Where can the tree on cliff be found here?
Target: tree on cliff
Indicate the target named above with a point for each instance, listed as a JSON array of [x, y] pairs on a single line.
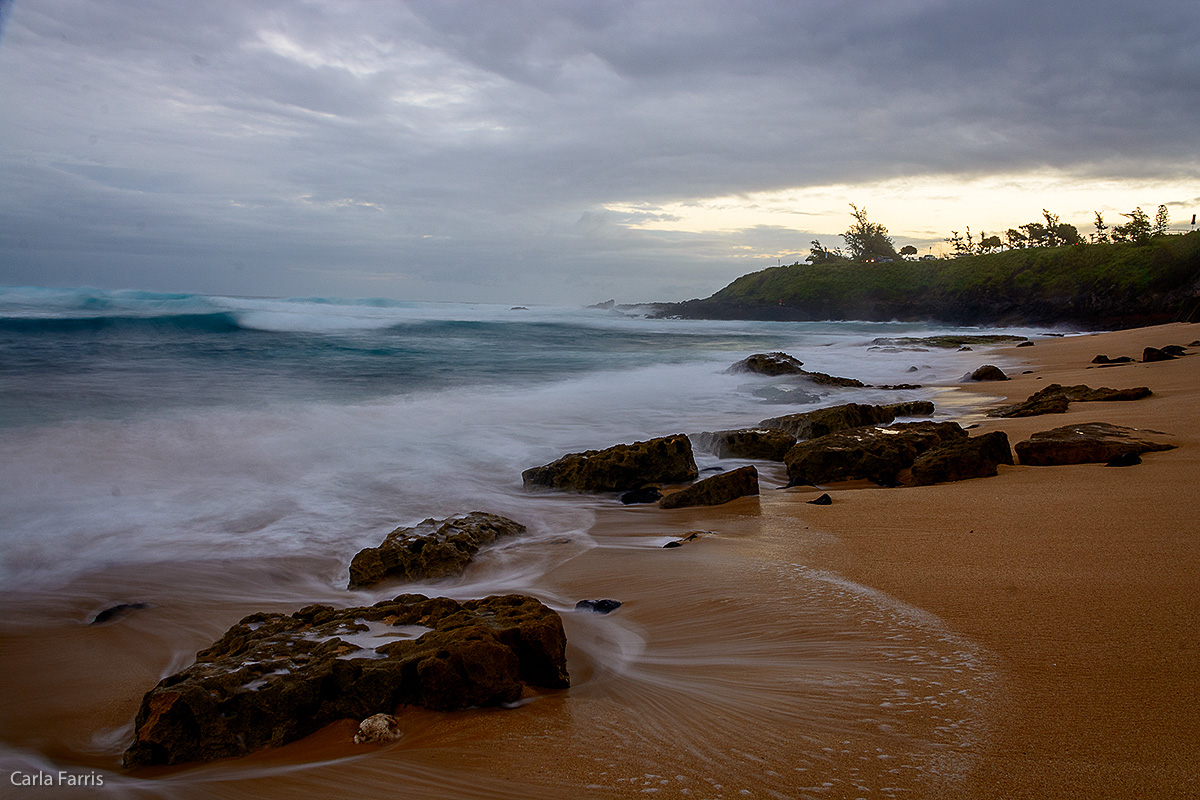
[[1137, 230], [865, 238], [1162, 221]]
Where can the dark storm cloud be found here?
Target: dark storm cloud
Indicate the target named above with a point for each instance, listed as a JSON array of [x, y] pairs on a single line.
[[429, 149]]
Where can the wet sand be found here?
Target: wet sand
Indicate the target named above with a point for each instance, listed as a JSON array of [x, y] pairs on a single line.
[[1028, 635]]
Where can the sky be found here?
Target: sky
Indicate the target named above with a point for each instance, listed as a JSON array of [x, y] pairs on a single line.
[[566, 151]]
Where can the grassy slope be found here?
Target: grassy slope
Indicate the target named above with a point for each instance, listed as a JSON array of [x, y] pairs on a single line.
[[1087, 283]]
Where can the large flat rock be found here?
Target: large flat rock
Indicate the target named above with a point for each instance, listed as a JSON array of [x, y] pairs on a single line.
[[274, 678], [1088, 442]]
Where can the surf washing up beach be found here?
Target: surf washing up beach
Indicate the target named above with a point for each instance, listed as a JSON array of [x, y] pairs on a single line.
[[193, 460]]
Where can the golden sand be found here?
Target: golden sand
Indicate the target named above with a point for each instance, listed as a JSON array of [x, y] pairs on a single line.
[[1072, 592], [1084, 580]]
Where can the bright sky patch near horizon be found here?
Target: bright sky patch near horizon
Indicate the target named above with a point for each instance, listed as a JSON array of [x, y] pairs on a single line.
[[545, 151]]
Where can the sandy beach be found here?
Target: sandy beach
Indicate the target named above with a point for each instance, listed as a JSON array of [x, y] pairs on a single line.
[[1082, 579], [1027, 635]]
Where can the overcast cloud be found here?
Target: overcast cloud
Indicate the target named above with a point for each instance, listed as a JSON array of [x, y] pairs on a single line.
[[467, 149]]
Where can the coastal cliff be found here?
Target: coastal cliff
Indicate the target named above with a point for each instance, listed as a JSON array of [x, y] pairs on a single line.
[[1107, 286]]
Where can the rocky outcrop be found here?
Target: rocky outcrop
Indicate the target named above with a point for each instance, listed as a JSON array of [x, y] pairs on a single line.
[[1086, 443], [876, 454], [714, 491], [988, 372], [1036, 405], [1167, 353], [767, 444], [1055, 398], [770, 364], [1103, 359], [432, 549], [618, 469], [272, 679], [811, 424], [963, 459], [776, 364]]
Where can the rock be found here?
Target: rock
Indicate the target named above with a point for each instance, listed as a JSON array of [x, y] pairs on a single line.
[[771, 364], [876, 454], [118, 612], [811, 424], [1087, 442], [910, 408], [432, 549], [975, 457], [681, 542], [1025, 344], [1154, 354], [823, 500], [1037, 404], [272, 679], [965, 349], [620, 468], [1175, 350], [988, 373], [598, 606], [823, 379], [900, 386], [378, 729], [1124, 460], [715, 490], [1106, 360], [1055, 398], [645, 494], [776, 364], [768, 444], [949, 340]]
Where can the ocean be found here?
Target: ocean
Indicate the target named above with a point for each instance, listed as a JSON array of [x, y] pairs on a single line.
[[245, 436]]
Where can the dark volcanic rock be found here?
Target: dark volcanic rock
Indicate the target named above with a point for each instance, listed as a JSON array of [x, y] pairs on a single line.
[[645, 494], [118, 612], [715, 490], [1035, 406], [1155, 354], [776, 364], [1106, 360], [1087, 442], [771, 364], [620, 468], [1055, 398], [976, 457], [768, 444], [823, 379], [823, 500], [988, 373], [811, 424], [598, 606], [1124, 460], [272, 679], [691, 537], [432, 549], [877, 454]]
